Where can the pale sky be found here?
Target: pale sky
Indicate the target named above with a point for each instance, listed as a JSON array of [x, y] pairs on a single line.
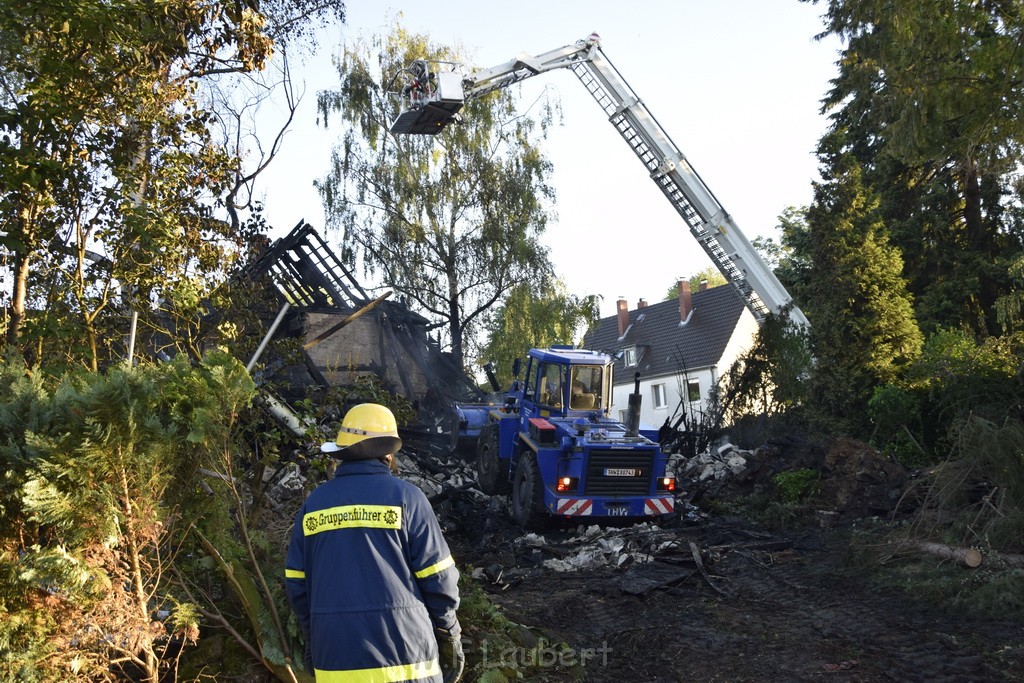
[[736, 84]]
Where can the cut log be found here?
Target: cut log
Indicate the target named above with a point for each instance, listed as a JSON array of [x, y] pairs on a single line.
[[968, 557]]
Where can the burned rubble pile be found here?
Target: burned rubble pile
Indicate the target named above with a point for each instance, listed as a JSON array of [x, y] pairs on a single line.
[[641, 557], [854, 479]]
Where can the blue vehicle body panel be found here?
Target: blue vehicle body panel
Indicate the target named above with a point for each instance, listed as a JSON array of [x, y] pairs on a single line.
[[472, 418], [612, 474]]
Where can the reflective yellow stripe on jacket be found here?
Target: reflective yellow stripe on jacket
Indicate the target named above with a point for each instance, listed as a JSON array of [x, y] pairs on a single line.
[[384, 674], [435, 568]]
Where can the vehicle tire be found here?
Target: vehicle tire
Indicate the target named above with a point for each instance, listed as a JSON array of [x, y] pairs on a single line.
[[491, 470], [528, 493]]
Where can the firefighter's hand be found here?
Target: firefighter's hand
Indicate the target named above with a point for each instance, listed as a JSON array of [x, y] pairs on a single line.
[[449, 649]]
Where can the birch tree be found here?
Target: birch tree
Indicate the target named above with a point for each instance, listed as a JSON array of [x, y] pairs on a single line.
[[452, 221]]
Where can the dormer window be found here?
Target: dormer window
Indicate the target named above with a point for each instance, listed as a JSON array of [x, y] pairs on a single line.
[[629, 356]]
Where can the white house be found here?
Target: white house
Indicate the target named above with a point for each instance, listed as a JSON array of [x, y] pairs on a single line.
[[679, 348]]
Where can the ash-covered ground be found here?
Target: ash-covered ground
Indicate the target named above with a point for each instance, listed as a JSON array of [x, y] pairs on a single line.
[[710, 597]]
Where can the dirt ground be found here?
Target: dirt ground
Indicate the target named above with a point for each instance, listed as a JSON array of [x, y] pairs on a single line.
[[771, 607]]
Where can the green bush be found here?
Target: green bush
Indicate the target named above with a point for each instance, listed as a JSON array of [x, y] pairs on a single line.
[[795, 486], [895, 412], [906, 450], [103, 497]]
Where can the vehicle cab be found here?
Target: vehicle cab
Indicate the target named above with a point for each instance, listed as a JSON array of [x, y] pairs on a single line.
[[562, 381]]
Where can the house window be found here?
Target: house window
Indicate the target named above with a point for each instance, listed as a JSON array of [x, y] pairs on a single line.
[[693, 390], [658, 395], [629, 357]]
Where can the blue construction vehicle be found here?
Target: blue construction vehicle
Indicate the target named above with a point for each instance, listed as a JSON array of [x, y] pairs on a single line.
[[554, 449]]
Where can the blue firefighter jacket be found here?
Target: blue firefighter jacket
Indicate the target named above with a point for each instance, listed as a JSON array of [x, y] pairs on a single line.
[[370, 577]]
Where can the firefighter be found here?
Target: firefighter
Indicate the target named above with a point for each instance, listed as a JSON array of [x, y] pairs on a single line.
[[369, 573]]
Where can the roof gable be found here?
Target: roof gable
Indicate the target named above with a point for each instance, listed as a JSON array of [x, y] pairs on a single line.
[[666, 346]]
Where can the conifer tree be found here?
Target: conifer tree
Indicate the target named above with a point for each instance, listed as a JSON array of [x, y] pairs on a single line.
[[862, 321]]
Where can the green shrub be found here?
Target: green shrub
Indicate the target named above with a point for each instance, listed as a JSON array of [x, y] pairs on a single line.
[[906, 450], [896, 414], [102, 499], [795, 486]]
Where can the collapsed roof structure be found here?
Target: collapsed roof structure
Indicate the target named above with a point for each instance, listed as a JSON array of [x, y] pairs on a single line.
[[345, 333]]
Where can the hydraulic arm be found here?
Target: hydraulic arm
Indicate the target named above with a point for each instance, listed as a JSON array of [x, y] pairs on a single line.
[[429, 108]]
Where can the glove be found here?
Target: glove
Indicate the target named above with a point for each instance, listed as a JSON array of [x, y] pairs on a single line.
[[449, 649]]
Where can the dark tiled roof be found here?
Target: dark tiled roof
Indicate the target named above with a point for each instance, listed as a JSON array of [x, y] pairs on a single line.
[[665, 348]]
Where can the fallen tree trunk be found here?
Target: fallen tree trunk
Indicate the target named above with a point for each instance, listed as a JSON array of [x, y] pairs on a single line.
[[1015, 561], [968, 557]]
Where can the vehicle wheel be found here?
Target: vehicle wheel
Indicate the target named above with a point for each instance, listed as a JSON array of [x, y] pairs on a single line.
[[491, 470], [528, 493]]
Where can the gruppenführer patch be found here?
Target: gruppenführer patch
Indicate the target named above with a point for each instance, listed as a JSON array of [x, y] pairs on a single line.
[[352, 516]]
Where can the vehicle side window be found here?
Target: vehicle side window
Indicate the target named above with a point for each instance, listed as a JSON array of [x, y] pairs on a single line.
[[550, 385], [529, 385]]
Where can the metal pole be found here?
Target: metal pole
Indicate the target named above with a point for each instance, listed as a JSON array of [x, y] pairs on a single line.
[[131, 338], [266, 338]]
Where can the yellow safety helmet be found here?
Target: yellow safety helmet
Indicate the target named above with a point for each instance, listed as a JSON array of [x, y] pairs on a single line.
[[369, 430]]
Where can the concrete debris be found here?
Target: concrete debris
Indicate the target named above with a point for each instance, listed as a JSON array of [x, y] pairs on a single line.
[[429, 486], [611, 552], [282, 487], [530, 541], [290, 478], [712, 466], [438, 475]]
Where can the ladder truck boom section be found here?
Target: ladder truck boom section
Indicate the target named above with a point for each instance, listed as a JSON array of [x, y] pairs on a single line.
[[432, 101]]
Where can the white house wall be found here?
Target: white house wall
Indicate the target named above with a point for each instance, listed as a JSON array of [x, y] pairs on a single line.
[[674, 384], [740, 342]]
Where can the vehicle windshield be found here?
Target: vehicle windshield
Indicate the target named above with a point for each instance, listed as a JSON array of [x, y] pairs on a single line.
[[587, 387]]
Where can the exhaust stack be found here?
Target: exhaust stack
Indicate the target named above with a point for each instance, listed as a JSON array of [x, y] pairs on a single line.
[[633, 416]]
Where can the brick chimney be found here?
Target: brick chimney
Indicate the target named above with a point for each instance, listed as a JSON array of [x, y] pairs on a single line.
[[703, 285], [685, 300], [622, 309], [642, 303]]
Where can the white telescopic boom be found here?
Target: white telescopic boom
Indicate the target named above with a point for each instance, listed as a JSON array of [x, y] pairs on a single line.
[[709, 223]]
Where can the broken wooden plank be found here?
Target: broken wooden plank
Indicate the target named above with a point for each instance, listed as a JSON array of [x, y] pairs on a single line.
[[769, 546], [448, 492], [695, 553], [345, 321]]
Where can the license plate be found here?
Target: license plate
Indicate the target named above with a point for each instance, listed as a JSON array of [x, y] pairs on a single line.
[[617, 510], [620, 472]]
